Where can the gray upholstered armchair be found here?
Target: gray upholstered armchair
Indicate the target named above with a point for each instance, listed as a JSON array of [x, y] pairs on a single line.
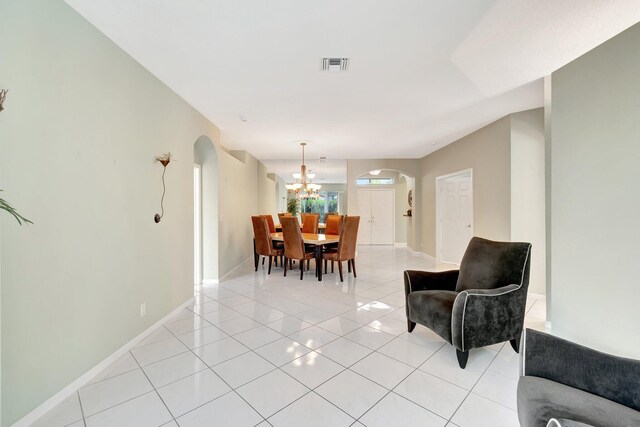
[[564, 384], [481, 304]]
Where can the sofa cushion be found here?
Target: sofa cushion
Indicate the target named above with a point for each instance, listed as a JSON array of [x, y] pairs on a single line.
[[433, 310], [540, 399]]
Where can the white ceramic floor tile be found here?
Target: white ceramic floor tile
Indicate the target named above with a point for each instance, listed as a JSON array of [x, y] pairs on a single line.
[[339, 325], [351, 392], [382, 369], [193, 391], [311, 411], [258, 337], [145, 410], [432, 393], [157, 351], [124, 363], [228, 410], [173, 368], [288, 325], [186, 325], [158, 335], [389, 325], [250, 307], [203, 336], [205, 307], [272, 392], [242, 369], [238, 325], [394, 410], [66, 412], [312, 369], [344, 352], [476, 411], [507, 363], [369, 337], [282, 351], [444, 364], [267, 316], [219, 351], [424, 337], [406, 352], [222, 315], [113, 391], [313, 337], [498, 388]]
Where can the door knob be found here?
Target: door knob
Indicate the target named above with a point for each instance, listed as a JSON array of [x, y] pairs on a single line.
[[469, 226]]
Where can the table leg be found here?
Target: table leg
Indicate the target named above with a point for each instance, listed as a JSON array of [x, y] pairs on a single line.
[[319, 262], [255, 256]]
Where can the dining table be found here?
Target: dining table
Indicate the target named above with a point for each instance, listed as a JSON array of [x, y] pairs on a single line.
[[321, 226], [319, 240]]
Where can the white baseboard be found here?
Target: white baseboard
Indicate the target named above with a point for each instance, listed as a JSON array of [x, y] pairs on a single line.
[[210, 281], [57, 398], [233, 270], [400, 245]]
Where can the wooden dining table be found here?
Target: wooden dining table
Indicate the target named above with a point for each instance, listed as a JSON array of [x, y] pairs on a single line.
[[320, 240], [321, 226]]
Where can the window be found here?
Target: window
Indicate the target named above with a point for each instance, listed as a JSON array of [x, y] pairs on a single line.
[[374, 181], [329, 201]]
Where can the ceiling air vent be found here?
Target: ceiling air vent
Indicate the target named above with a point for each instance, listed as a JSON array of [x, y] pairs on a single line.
[[335, 65]]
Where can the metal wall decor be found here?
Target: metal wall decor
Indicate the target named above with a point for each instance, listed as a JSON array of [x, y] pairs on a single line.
[[164, 160], [3, 96]]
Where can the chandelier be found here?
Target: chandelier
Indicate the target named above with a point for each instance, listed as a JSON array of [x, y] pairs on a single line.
[[303, 185]]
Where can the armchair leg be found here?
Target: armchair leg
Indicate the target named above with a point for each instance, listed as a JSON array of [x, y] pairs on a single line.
[[515, 344], [410, 325], [463, 356]]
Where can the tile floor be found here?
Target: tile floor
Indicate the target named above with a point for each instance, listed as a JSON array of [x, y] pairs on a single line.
[[261, 350]]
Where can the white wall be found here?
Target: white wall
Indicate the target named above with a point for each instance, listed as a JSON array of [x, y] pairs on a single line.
[[81, 126], [594, 200], [528, 190]]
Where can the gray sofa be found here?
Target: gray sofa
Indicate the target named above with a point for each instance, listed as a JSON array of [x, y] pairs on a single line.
[[564, 384]]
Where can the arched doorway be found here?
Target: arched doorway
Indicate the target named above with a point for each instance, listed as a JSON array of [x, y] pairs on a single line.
[[385, 207], [205, 159]]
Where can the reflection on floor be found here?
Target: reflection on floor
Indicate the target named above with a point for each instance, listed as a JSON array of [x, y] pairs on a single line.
[[269, 350]]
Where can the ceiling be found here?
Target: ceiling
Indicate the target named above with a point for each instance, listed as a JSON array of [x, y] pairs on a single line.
[[422, 73], [327, 172]]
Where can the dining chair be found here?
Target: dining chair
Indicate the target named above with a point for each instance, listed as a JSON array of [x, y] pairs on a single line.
[[302, 217], [333, 224], [281, 214], [264, 244], [293, 244], [310, 223], [272, 229], [346, 250]]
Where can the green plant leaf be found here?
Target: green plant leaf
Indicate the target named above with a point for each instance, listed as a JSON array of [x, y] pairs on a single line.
[[6, 206]]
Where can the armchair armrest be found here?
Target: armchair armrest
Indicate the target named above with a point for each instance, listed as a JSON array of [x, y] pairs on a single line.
[[612, 377], [415, 280], [482, 317]]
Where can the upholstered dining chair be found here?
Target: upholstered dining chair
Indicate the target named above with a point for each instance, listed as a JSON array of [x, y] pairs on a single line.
[[293, 244], [333, 223], [272, 229], [480, 304], [310, 223], [346, 250], [281, 214], [264, 244]]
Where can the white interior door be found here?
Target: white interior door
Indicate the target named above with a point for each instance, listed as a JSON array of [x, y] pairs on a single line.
[[382, 217], [377, 221], [364, 210], [456, 198]]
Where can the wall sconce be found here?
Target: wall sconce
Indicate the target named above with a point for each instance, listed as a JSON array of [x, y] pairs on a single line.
[[164, 161]]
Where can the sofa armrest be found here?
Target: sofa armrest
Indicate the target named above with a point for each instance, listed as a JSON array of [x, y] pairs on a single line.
[[415, 280], [612, 377], [482, 317]]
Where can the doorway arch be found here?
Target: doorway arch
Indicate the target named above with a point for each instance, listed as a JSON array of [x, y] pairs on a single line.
[[206, 231], [405, 229]]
